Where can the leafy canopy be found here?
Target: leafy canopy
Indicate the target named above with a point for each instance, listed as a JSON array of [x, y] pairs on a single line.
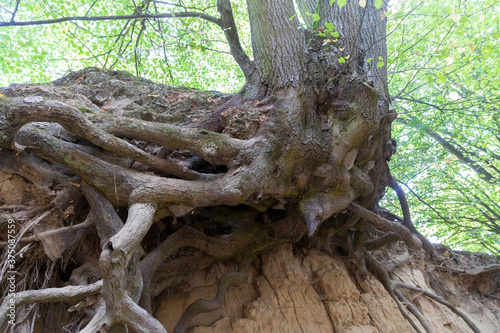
[[444, 78]]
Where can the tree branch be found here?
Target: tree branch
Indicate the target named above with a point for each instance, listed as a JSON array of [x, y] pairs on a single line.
[[483, 173], [15, 11], [229, 27], [114, 18]]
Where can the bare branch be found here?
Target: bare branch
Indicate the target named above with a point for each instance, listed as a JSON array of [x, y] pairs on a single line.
[[15, 11], [483, 173], [114, 18], [229, 27]]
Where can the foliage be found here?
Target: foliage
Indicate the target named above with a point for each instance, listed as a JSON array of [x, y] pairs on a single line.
[[444, 79], [181, 52]]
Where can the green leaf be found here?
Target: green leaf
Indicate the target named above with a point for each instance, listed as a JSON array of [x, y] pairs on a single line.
[[378, 4], [342, 60], [449, 22], [331, 2], [441, 78], [380, 64], [291, 18], [464, 19], [329, 26], [369, 59], [316, 17], [487, 49], [341, 3]]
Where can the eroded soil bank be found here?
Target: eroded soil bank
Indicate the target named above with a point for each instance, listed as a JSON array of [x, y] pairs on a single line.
[[314, 291]]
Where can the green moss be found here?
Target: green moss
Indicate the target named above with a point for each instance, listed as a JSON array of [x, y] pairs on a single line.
[[84, 110]]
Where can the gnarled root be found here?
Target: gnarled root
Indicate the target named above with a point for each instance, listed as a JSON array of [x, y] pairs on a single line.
[[439, 299], [393, 287], [203, 305]]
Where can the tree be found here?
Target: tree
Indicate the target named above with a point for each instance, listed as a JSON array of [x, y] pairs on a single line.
[[298, 154]]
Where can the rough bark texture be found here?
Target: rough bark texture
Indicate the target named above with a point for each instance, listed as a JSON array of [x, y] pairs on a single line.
[[137, 188]]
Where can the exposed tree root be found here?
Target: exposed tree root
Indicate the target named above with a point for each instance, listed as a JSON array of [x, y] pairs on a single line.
[[392, 182], [100, 322], [392, 288], [32, 109], [50, 233], [300, 172], [475, 271], [203, 305], [386, 225], [379, 271], [69, 294], [413, 309], [382, 241], [439, 299], [243, 243]]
